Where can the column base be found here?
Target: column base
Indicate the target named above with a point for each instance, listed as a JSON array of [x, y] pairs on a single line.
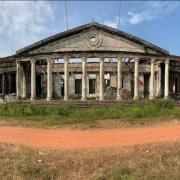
[[84, 99], [135, 98], [49, 98], [66, 98], [18, 98], [166, 97], [32, 98], [151, 97], [24, 97], [101, 99], [119, 98]]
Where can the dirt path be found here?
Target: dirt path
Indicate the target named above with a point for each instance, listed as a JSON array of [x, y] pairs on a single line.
[[75, 139]]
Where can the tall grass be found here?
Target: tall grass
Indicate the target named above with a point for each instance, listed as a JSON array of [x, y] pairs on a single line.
[[68, 114]]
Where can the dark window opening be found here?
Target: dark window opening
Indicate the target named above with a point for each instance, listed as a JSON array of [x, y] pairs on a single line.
[[92, 86], [146, 85], [1, 85], [8, 83], [62, 87], [122, 82], [13, 83], [176, 85], [38, 85], [78, 86]]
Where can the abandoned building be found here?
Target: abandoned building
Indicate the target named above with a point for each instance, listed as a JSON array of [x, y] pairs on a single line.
[[90, 61]]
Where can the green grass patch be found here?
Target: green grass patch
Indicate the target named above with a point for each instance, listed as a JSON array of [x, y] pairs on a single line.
[[68, 114]]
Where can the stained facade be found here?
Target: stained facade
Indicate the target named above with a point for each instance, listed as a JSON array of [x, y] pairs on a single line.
[[91, 61]]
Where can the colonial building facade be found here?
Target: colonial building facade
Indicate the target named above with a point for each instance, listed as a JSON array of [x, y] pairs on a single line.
[[91, 61]]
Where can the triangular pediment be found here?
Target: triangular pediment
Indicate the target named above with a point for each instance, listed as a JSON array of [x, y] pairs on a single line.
[[91, 38]]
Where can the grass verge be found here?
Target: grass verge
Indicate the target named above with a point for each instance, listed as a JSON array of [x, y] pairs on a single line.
[[68, 114]]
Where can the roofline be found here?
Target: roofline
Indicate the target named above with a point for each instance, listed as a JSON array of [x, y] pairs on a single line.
[[174, 58], [85, 26], [8, 58]]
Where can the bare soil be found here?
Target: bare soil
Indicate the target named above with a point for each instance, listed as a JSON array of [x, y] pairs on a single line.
[[89, 139]]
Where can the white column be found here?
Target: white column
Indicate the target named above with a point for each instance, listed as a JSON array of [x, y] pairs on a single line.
[[33, 80], [158, 91], [49, 79], [166, 82], [23, 83], [17, 80], [66, 78], [101, 88], [136, 77], [151, 88], [119, 79], [84, 80]]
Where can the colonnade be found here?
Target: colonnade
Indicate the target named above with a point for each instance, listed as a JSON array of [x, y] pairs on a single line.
[[101, 73]]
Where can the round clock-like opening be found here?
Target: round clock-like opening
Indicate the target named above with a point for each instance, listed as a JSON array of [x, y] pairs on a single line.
[[93, 39]]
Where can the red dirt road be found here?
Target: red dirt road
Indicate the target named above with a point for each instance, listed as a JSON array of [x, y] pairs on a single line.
[[88, 139]]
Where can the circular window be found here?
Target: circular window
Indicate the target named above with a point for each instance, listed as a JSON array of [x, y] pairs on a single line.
[[93, 39]]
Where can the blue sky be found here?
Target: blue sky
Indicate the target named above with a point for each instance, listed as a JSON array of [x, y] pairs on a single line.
[[30, 21]]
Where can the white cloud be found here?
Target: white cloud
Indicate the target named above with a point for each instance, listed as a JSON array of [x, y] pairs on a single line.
[[152, 10], [144, 11], [26, 19], [114, 22]]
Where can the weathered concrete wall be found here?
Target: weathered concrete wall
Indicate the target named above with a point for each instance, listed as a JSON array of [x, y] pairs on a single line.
[[103, 40], [113, 81], [57, 78], [141, 86], [127, 82], [94, 68]]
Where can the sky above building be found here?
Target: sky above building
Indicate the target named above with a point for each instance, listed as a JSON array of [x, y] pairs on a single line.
[[25, 22]]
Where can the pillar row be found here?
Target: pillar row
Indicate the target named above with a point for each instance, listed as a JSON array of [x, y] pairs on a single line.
[[151, 88], [49, 79], [24, 93], [166, 79], [17, 80], [101, 88], [84, 80], [33, 80], [66, 79], [119, 79], [136, 78]]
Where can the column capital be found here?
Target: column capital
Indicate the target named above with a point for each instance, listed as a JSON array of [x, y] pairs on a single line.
[[49, 60], [66, 58], [101, 58], [166, 61], [84, 55], [84, 58], [153, 60], [17, 62], [120, 58], [33, 61], [136, 59]]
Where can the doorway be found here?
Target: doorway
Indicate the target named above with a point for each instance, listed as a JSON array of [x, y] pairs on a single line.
[[146, 85], [38, 85]]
